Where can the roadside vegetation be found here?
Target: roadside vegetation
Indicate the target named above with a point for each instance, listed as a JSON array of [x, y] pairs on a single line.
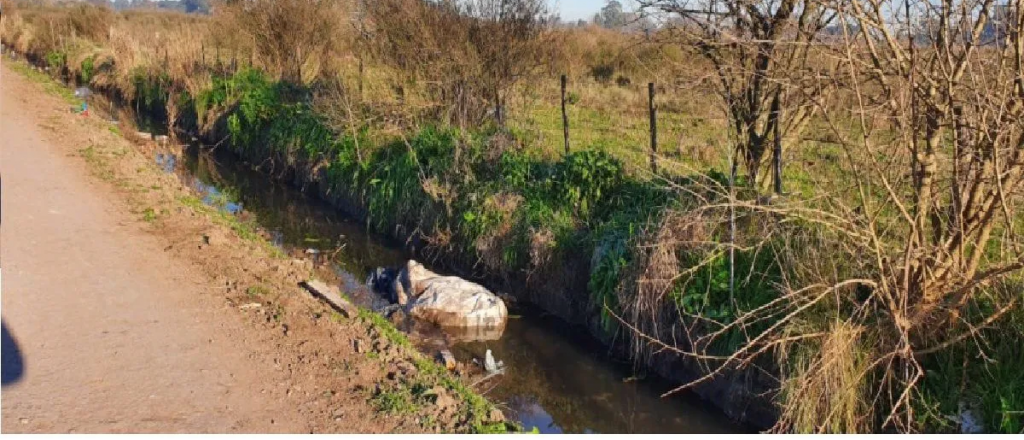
[[833, 212]]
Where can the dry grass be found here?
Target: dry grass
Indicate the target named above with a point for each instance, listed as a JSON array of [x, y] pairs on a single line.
[[828, 378]]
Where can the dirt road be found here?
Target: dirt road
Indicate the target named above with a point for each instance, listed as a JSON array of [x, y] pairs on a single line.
[[101, 329]]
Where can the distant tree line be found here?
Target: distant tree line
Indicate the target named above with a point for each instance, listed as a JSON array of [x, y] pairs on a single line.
[[189, 6]]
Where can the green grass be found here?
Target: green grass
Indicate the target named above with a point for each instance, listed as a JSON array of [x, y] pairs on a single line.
[[395, 401], [386, 329], [96, 159], [50, 85], [149, 215], [257, 291], [624, 133], [988, 377], [407, 398]]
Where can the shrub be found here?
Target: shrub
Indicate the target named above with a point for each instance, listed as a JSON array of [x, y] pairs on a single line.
[[88, 68], [583, 179], [56, 59], [602, 72]]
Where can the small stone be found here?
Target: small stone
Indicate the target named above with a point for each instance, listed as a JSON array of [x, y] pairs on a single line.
[[496, 415], [397, 317], [23, 421], [407, 369], [357, 344], [444, 401], [214, 238], [332, 296]]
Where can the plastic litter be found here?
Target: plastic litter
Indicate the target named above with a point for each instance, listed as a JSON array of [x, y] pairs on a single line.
[[490, 365]]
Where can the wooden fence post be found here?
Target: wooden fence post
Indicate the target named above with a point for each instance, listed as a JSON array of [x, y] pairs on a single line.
[[565, 117], [361, 80], [654, 128]]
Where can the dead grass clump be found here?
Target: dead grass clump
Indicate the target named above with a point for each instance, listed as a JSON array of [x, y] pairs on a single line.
[[492, 244], [678, 232], [497, 145], [657, 270], [91, 22], [291, 39], [825, 388], [542, 247]]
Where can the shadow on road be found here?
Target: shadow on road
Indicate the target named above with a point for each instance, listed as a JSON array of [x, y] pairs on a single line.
[[12, 365]]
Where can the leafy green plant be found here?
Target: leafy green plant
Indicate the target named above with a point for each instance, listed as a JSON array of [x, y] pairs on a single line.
[[56, 59], [572, 98], [394, 401], [583, 178], [613, 257], [991, 381], [87, 69]]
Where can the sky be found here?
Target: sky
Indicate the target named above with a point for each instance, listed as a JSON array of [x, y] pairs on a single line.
[[581, 9]]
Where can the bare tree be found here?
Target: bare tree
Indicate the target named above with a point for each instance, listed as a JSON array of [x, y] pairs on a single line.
[[760, 52], [469, 53], [507, 37], [953, 106], [914, 249]]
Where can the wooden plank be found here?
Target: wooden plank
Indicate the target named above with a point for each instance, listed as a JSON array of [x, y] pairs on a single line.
[[333, 297]]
